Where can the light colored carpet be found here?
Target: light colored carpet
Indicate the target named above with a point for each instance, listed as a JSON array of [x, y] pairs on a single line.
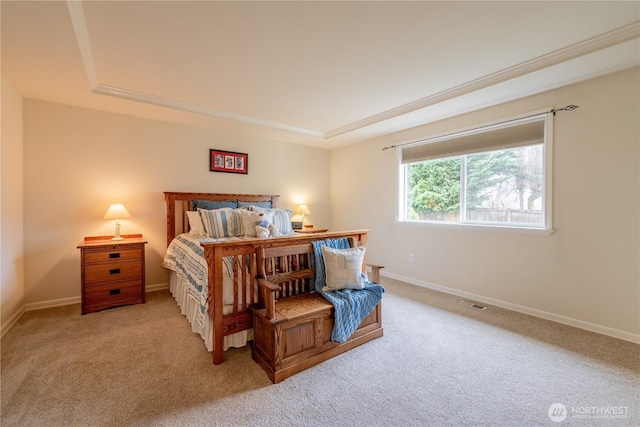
[[440, 363]]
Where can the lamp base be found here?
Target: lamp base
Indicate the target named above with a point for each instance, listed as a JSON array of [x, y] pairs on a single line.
[[117, 233]]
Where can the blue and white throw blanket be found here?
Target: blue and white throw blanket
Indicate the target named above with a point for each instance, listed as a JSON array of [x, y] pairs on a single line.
[[351, 306]]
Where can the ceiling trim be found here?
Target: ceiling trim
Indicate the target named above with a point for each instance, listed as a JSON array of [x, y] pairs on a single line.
[[76, 13], [193, 108], [602, 41], [81, 31], [576, 50]]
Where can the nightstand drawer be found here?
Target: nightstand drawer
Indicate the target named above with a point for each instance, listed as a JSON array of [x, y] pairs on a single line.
[[110, 271], [110, 294], [114, 255]]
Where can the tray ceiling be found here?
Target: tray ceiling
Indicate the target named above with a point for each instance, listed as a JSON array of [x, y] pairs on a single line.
[[324, 74]]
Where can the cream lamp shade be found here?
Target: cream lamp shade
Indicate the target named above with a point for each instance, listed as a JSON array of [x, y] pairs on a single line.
[[304, 210], [117, 211]]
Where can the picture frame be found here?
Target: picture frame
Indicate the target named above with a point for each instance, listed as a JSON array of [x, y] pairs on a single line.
[[228, 161]]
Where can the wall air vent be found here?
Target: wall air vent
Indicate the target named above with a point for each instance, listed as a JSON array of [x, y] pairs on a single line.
[[473, 305]]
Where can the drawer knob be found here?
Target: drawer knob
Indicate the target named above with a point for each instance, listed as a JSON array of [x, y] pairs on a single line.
[[114, 291], [115, 255], [114, 271]]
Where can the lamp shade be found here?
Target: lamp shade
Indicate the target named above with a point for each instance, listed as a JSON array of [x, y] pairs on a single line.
[[304, 210], [117, 211]]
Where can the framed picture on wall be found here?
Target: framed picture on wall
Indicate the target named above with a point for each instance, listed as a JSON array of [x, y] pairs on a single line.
[[228, 161]]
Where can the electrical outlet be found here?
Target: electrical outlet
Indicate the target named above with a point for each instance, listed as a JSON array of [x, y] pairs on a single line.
[[411, 258]]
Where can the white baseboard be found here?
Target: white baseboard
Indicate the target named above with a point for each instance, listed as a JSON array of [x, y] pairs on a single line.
[[61, 302], [12, 320], [52, 303], [156, 287], [604, 330]]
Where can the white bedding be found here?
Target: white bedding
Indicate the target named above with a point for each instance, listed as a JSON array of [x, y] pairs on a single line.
[[190, 308], [189, 286]]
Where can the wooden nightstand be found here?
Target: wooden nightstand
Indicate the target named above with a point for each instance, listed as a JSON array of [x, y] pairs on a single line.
[[112, 272], [311, 230]]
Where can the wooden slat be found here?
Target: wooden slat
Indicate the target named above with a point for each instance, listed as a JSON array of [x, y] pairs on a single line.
[[288, 276], [236, 279]]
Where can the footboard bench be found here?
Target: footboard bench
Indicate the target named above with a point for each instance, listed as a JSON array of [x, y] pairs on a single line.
[[293, 323]]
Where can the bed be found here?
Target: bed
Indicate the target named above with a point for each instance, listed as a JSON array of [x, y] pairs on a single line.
[[213, 279]]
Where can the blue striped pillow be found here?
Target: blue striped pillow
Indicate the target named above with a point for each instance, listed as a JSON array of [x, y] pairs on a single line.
[[222, 222]]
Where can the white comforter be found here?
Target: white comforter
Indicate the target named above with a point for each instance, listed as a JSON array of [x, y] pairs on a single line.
[[189, 286]]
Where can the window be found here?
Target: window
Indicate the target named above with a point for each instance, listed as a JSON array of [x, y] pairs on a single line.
[[496, 175]]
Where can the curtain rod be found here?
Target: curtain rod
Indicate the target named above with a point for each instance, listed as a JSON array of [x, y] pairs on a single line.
[[554, 111]]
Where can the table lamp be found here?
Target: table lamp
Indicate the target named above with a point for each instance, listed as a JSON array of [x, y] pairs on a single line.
[[304, 210], [117, 211]]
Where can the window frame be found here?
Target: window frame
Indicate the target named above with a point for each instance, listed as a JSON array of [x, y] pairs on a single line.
[[547, 175]]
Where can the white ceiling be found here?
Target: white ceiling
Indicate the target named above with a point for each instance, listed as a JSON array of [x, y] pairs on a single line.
[[324, 74]]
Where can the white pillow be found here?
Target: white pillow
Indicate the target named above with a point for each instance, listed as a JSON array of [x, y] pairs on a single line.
[[222, 222], [343, 268], [196, 227]]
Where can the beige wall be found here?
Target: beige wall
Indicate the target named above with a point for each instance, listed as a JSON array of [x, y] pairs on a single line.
[[78, 161], [586, 273], [11, 213]]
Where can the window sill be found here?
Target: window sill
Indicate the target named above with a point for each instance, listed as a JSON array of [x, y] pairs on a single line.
[[480, 227]]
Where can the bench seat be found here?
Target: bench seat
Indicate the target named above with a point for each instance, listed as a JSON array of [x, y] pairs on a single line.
[[293, 333]]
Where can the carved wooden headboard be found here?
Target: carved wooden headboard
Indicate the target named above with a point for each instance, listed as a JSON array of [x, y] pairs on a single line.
[[181, 203]]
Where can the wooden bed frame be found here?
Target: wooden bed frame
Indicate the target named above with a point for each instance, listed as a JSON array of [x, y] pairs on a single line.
[[244, 255]]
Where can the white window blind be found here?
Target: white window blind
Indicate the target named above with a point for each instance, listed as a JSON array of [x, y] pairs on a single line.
[[517, 133]]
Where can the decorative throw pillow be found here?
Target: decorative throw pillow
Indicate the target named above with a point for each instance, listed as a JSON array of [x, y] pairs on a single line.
[[222, 222], [196, 227], [343, 268], [282, 220]]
